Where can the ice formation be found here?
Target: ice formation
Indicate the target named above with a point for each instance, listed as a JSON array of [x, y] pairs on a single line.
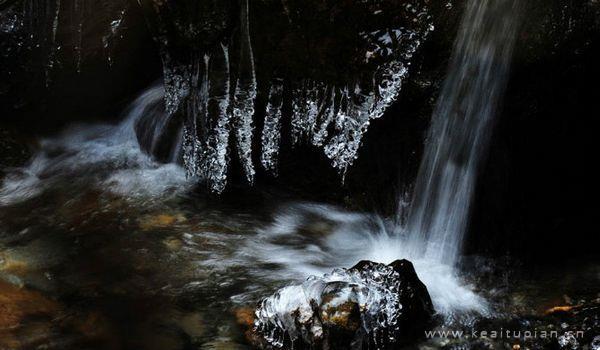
[[271, 134], [335, 117], [300, 312], [329, 115], [211, 84]]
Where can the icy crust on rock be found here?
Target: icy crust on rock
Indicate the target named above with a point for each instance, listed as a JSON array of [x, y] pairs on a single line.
[[299, 312]]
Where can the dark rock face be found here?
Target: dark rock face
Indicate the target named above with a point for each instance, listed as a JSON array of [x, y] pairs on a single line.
[[71, 60], [14, 151], [534, 187], [368, 306]]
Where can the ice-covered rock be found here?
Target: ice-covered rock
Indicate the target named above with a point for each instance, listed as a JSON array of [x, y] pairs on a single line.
[[370, 305], [595, 345]]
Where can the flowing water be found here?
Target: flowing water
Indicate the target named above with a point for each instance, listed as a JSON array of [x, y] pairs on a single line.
[[461, 127], [439, 212], [106, 163]]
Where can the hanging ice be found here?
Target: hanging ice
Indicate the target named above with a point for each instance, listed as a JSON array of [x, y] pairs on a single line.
[[215, 162], [202, 93], [271, 135], [245, 94], [305, 109], [336, 118], [213, 98]]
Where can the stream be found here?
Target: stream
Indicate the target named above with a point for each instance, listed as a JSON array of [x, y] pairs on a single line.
[[101, 247]]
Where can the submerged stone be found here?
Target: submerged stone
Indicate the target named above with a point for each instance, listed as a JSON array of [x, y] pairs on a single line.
[[370, 305], [18, 303]]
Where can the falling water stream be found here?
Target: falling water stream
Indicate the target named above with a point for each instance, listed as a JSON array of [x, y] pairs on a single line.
[[461, 129], [439, 212]]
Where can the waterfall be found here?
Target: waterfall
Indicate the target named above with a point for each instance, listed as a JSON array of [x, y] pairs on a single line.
[[433, 230], [460, 129]]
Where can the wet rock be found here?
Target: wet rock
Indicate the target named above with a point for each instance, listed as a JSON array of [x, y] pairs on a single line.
[[14, 150], [192, 324], [173, 244], [222, 344], [16, 304], [558, 310], [161, 221], [11, 264], [595, 345], [94, 325], [369, 305]]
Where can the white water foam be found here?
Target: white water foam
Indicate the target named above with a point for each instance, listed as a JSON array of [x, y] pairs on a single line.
[[314, 239], [105, 156]]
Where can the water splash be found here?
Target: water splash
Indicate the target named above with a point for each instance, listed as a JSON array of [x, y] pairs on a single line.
[[154, 127], [310, 239], [105, 157]]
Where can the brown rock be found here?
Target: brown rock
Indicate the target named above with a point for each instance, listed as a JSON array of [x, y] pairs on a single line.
[[17, 304], [161, 221]]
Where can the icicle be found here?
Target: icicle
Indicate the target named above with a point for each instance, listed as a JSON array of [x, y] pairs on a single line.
[[55, 21], [351, 123], [305, 115], [299, 112], [271, 135], [219, 117], [306, 106], [325, 117], [361, 106], [245, 94], [196, 104]]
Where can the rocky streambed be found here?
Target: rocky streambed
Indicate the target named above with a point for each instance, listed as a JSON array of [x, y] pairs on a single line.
[[86, 267]]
